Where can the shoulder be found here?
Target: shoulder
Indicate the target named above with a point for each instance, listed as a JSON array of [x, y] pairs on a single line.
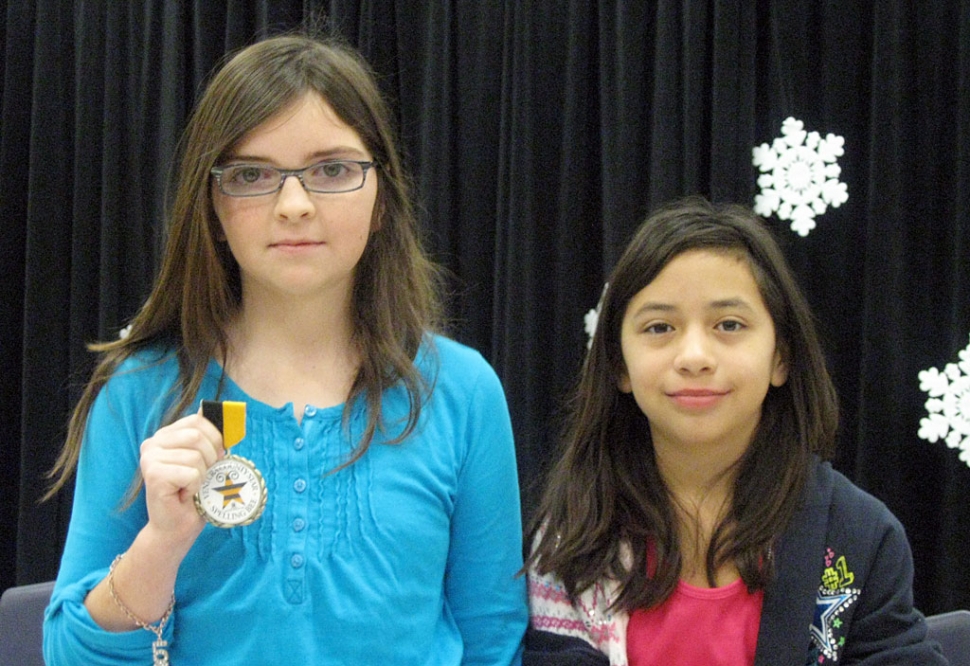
[[860, 530], [856, 510], [451, 365], [464, 395], [127, 409], [146, 363], [141, 382], [451, 354]]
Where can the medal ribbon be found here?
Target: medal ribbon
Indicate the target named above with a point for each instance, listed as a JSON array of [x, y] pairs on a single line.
[[229, 417]]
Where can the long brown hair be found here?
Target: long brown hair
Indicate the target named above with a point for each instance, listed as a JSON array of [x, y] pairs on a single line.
[[396, 298], [606, 491]]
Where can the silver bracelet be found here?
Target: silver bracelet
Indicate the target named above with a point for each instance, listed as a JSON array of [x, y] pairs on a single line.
[[159, 645]]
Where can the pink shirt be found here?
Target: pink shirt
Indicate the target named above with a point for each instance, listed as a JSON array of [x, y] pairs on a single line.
[[697, 627]]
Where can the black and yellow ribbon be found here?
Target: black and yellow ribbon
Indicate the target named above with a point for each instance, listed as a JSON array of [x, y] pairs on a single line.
[[229, 417]]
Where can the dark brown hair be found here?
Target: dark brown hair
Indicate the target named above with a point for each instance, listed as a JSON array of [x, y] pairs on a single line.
[[396, 298], [604, 491]]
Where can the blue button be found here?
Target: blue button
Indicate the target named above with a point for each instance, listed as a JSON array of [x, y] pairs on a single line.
[[299, 485], [296, 561], [298, 443], [298, 524], [310, 410]]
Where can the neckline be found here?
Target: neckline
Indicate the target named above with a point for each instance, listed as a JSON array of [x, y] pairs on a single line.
[[721, 592], [231, 390]]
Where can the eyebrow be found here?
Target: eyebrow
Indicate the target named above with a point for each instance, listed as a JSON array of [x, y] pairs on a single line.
[[730, 303], [720, 304], [337, 152]]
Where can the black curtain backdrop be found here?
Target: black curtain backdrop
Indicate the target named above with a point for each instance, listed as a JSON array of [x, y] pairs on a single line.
[[540, 133]]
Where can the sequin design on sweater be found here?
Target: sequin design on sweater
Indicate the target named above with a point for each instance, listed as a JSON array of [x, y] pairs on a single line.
[[835, 596]]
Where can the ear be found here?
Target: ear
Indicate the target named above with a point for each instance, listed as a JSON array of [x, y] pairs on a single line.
[[376, 218], [779, 371], [623, 382], [216, 218], [377, 215]]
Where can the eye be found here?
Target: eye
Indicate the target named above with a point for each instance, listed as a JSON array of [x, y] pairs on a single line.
[[731, 326], [248, 174], [330, 170], [658, 328]]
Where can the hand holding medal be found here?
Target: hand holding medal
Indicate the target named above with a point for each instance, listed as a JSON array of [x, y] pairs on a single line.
[[233, 491]]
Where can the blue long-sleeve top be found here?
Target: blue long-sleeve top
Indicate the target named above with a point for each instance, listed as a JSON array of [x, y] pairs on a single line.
[[408, 556]]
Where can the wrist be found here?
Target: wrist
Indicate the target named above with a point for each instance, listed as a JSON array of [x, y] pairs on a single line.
[[159, 645], [169, 544]]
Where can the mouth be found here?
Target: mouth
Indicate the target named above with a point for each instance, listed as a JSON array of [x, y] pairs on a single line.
[[298, 244], [696, 398], [297, 241]]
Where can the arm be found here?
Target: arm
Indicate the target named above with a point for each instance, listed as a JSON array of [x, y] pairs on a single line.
[[486, 595], [552, 612], [886, 628], [83, 622], [543, 648], [572, 631], [173, 462]]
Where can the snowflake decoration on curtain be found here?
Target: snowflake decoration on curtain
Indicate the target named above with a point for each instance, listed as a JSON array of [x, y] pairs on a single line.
[[948, 405], [800, 176], [591, 318]]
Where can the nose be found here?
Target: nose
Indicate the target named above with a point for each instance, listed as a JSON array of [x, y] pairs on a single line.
[[695, 355], [293, 202]]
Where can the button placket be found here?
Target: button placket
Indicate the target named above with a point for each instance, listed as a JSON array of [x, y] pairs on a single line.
[[298, 503]]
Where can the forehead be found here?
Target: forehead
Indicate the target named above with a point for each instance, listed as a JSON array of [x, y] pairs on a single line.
[[699, 263], [307, 126], [701, 276]]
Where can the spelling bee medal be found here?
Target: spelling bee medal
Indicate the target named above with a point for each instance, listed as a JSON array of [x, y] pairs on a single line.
[[233, 492]]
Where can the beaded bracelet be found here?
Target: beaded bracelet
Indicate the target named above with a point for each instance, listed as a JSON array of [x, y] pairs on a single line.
[[159, 645]]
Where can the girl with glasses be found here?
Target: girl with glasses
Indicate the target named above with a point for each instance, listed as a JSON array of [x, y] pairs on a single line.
[[368, 511]]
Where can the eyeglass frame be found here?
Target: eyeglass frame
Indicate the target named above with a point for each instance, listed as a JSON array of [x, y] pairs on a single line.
[[365, 166]]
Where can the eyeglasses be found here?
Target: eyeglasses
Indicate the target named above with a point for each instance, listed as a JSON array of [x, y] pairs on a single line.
[[328, 177]]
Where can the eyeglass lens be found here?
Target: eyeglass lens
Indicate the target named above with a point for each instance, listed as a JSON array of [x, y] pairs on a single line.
[[326, 177]]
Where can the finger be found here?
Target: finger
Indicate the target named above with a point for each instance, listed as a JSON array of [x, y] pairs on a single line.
[[164, 479], [211, 433], [182, 457], [192, 432]]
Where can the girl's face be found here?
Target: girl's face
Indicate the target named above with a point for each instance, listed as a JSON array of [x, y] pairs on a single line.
[[699, 351], [294, 242]]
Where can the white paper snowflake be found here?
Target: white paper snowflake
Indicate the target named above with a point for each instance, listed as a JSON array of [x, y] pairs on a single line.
[[591, 318], [948, 405], [800, 176]]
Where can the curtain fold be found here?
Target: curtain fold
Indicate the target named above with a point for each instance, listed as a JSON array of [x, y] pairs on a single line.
[[539, 134], [47, 317], [15, 111], [915, 277]]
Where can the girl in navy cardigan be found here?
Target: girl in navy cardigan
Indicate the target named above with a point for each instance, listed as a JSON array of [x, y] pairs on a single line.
[[689, 520]]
